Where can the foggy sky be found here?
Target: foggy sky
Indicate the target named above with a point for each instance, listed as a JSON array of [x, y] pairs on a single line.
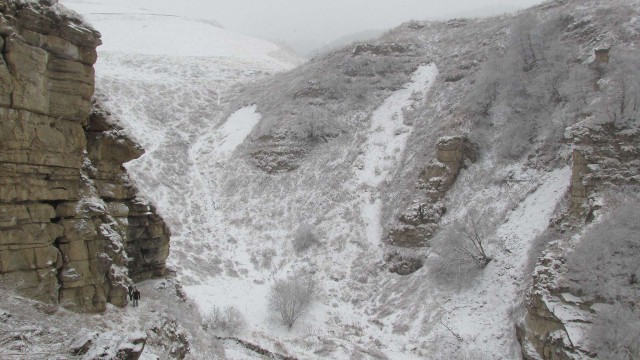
[[306, 24]]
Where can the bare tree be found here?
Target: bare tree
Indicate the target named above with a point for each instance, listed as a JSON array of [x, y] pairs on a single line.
[[472, 240], [462, 247], [604, 267], [230, 320], [482, 97], [527, 39], [606, 261], [290, 297], [624, 86], [615, 333]]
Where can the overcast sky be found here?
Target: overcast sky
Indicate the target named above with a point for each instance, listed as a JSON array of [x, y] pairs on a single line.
[[306, 24]]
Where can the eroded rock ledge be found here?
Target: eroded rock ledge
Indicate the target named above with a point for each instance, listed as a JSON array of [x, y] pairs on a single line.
[[72, 230], [606, 158], [419, 222]]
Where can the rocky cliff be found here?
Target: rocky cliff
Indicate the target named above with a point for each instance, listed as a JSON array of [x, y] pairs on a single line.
[[419, 222], [72, 230], [560, 315]]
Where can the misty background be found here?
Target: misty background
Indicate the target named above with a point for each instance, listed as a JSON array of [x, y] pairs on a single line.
[[308, 26]]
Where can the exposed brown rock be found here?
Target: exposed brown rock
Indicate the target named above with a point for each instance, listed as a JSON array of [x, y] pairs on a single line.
[[606, 154], [420, 221], [66, 203]]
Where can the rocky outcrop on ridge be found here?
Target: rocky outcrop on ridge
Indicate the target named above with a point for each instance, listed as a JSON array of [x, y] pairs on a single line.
[[605, 158], [72, 230], [420, 221], [603, 155]]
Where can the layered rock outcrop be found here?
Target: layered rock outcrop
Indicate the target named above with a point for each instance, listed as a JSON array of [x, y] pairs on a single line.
[[603, 155], [419, 222], [543, 333], [605, 158], [71, 228]]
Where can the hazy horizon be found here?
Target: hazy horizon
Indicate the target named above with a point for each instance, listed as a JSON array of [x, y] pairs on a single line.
[[308, 25]]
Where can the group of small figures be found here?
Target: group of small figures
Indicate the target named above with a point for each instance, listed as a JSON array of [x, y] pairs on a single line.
[[134, 295]]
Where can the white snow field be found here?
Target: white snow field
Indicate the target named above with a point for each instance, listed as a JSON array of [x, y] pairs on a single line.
[[233, 132], [140, 27], [232, 224]]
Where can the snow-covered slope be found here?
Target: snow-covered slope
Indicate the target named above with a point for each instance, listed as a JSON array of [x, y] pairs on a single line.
[[138, 29], [167, 78]]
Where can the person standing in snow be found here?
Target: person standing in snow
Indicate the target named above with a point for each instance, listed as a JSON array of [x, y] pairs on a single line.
[[130, 291], [136, 297]]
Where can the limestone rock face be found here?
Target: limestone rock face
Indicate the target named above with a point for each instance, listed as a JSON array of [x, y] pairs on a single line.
[[420, 221], [602, 154], [541, 331], [71, 228]]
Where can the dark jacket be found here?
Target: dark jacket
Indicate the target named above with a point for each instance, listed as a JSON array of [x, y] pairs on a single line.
[[136, 295]]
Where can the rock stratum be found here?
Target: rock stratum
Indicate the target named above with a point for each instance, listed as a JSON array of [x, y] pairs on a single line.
[[72, 229]]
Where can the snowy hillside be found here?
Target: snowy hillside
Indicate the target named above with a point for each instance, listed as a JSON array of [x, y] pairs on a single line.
[[338, 145], [134, 29], [169, 82]]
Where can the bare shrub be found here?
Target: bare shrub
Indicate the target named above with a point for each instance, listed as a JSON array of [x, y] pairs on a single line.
[[290, 297], [462, 247], [304, 238], [606, 261], [263, 258], [516, 139], [518, 94], [229, 321], [528, 41], [615, 334], [482, 97], [605, 266], [622, 89]]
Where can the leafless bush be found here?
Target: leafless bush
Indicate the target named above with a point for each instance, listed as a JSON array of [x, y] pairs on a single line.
[[622, 90], [482, 97], [304, 238], [263, 258], [290, 297], [606, 262], [518, 93], [462, 247], [615, 334], [403, 262], [605, 265], [229, 321], [516, 139]]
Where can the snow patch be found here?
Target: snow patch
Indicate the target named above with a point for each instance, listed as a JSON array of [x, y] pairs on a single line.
[[571, 298], [388, 135], [234, 131], [171, 35], [385, 146]]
